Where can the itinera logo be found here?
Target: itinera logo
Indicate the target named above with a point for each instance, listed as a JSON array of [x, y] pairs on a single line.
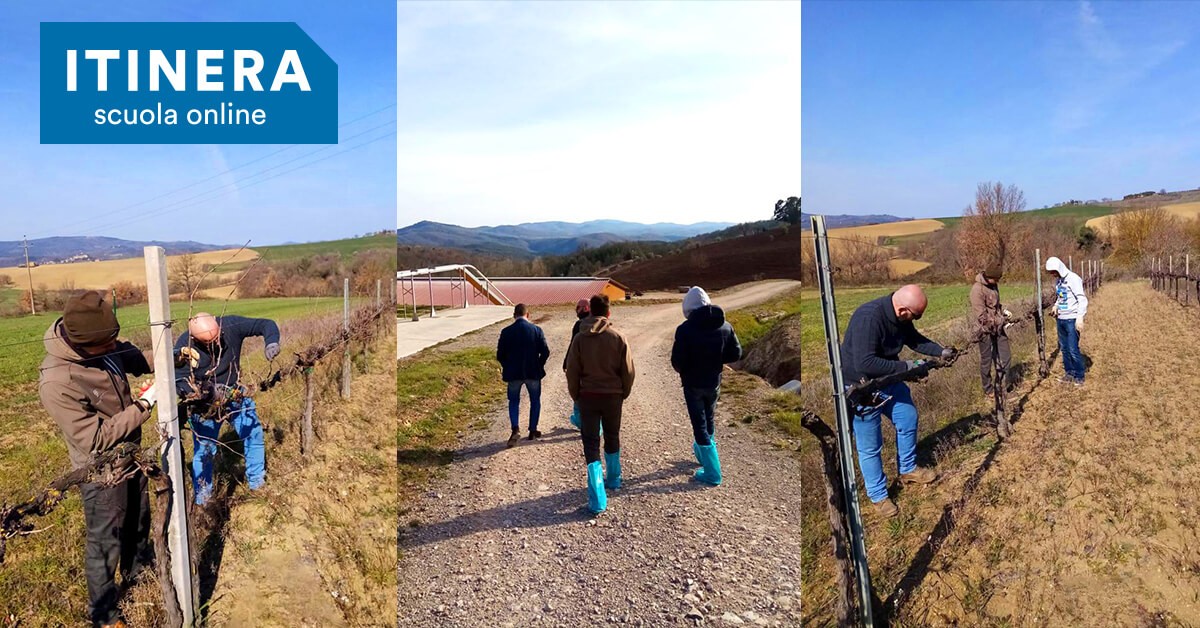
[[185, 83]]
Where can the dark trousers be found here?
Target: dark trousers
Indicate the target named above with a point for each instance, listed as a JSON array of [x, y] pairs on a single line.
[[118, 530], [595, 410], [985, 362], [701, 406]]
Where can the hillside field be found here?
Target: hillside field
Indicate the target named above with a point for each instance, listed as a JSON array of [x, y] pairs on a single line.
[[1183, 211], [101, 275]]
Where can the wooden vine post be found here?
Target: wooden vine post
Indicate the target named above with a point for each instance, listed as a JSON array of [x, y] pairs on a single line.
[[346, 325], [1039, 322]]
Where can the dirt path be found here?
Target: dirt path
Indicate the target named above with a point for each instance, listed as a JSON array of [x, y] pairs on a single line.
[[505, 540], [1088, 515]]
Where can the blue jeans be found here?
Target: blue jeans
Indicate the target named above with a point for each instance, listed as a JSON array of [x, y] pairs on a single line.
[[534, 386], [701, 406], [868, 437], [243, 416], [1068, 346]]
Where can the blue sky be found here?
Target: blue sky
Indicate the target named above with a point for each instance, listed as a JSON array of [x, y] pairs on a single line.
[[527, 111], [909, 105], [60, 190]]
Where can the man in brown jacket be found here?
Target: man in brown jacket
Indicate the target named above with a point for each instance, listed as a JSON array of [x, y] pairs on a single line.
[[599, 379], [989, 317], [84, 387]]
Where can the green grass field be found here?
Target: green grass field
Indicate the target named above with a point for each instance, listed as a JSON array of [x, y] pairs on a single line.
[[345, 248], [752, 323], [946, 303], [1081, 214], [42, 581]]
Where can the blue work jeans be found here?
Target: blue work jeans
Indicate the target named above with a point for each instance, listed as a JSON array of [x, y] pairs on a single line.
[[868, 437], [534, 386], [243, 416], [701, 406], [1068, 346]]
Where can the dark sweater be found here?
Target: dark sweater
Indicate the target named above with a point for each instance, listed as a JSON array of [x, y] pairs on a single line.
[[704, 343], [574, 332], [522, 351], [220, 362], [874, 339]]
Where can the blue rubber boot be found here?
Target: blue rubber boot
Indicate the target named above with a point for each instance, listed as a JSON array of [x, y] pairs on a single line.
[[597, 500], [711, 473], [574, 419], [613, 477], [696, 452]]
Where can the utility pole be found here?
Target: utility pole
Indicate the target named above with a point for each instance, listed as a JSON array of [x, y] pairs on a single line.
[[29, 270], [346, 323], [171, 452]]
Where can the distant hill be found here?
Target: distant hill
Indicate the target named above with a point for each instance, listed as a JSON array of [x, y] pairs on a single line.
[[848, 220], [773, 254], [535, 239], [60, 248]]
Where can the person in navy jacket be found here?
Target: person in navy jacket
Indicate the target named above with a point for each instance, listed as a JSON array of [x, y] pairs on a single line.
[[523, 352]]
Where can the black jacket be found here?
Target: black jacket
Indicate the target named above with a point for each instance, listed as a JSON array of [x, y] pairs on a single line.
[[874, 339], [522, 351], [220, 363], [704, 343], [574, 332]]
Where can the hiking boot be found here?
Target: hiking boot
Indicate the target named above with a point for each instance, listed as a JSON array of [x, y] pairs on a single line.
[[534, 434], [1066, 379], [1078, 383], [516, 436], [919, 475], [887, 508]]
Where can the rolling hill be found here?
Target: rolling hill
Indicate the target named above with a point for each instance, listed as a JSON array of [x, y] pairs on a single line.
[[836, 221], [535, 239], [771, 254], [43, 250]]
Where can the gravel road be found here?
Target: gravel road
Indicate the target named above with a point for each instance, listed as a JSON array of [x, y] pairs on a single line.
[[505, 538]]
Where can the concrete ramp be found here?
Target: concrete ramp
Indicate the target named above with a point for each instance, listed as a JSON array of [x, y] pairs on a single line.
[[413, 337]]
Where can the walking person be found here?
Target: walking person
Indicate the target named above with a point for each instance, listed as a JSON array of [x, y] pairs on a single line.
[[989, 318], [600, 376], [877, 332], [522, 352], [211, 393], [1069, 310], [704, 344], [84, 387], [581, 312]]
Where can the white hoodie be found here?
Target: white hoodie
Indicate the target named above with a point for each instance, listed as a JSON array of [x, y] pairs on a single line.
[[695, 299], [1072, 302]]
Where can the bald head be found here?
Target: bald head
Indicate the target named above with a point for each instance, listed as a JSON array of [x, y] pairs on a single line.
[[909, 302], [204, 327]]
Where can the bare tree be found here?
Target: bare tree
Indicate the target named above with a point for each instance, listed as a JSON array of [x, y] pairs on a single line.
[[987, 231], [186, 272]]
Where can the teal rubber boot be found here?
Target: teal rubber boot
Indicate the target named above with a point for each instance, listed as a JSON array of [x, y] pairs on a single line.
[[613, 477], [696, 452], [575, 418], [597, 500], [711, 473]]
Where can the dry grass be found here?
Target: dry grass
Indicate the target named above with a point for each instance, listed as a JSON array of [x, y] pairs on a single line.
[[1183, 211], [906, 267], [101, 275], [1087, 515]]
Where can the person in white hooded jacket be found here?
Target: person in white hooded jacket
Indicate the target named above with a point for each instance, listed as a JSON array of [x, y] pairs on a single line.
[[1069, 310]]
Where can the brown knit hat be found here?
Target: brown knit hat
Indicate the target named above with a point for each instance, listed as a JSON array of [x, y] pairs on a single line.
[[89, 320], [994, 271]]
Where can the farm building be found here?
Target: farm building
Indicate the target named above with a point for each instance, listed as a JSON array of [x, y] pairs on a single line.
[[452, 291]]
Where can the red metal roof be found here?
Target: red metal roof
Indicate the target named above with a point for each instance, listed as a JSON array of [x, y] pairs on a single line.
[[527, 290]]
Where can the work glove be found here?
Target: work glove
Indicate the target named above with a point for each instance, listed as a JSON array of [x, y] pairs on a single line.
[[948, 353], [912, 364], [272, 351], [146, 395], [189, 355], [1079, 324], [1007, 314], [1007, 325]]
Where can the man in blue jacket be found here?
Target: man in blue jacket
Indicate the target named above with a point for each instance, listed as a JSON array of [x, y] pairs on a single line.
[[877, 332], [704, 343], [522, 352], [210, 392]]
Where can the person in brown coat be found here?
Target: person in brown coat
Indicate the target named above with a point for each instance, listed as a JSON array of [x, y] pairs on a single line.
[[84, 387], [988, 317], [599, 378]]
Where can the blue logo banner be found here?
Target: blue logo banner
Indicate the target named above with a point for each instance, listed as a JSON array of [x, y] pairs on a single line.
[[185, 83]]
